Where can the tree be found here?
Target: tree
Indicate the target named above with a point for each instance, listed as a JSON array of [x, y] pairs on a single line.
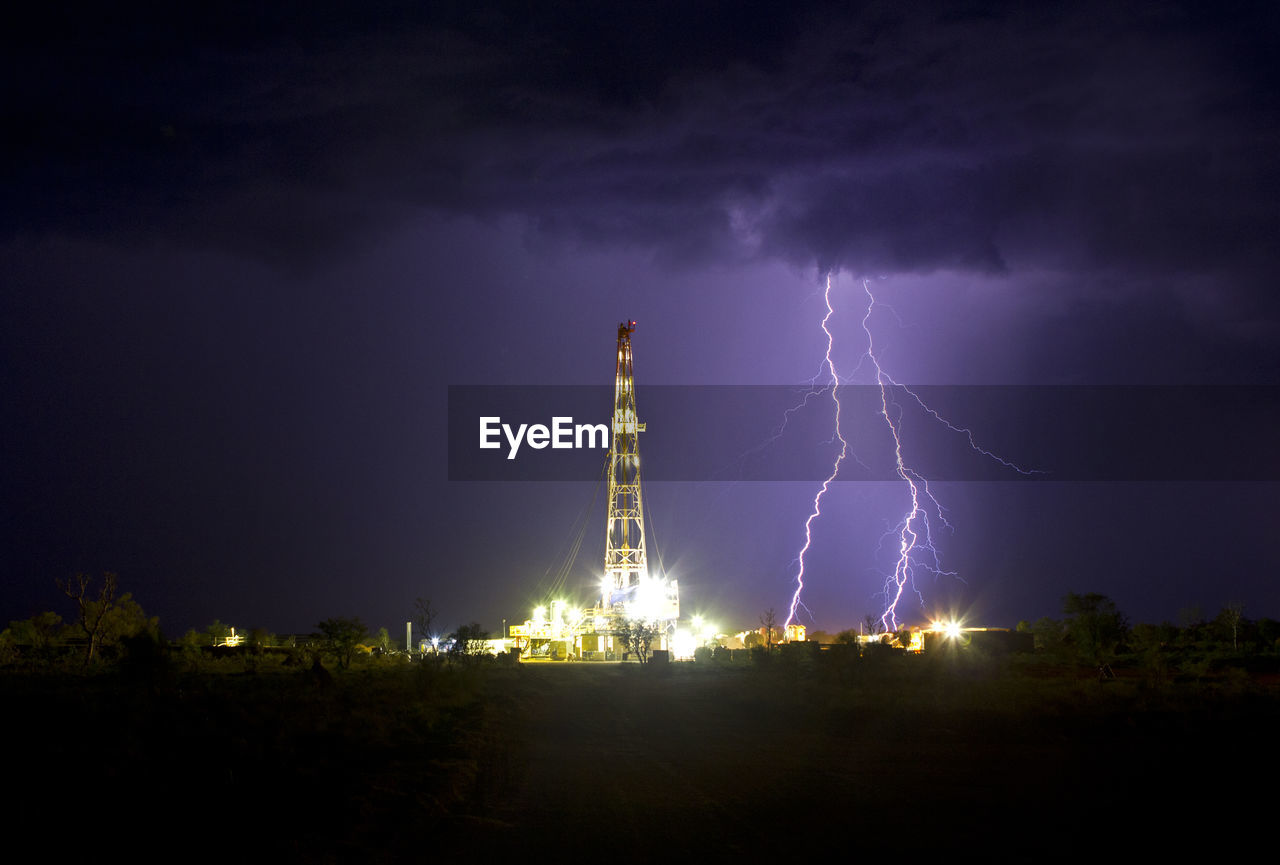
[[637, 636], [1094, 624], [768, 623], [1191, 620], [469, 641], [1049, 635], [382, 640], [8, 648], [424, 615], [260, 637], [103, 620], [40, 632], [847, 637], [1229, 620], [217, 633], [341, 637], [1268, 631]]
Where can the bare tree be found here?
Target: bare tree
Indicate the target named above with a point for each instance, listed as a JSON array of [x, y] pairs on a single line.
[[1233, 614], [423, 616], [91, 612], [769, 622]]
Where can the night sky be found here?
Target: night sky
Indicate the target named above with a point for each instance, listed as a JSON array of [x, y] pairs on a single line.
[[244, 257]]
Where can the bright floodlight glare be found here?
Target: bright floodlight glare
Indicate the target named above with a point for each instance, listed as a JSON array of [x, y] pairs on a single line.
[[953, 629], [649, 597], [683, 644]]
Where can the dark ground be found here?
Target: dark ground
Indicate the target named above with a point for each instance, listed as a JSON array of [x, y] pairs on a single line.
[[804, 758]]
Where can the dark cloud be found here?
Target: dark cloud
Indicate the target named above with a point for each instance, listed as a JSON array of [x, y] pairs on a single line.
[[884, 139], [241, 245]]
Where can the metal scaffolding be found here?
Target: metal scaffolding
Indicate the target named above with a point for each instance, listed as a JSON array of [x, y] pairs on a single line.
[[625, 562], [627, 587]]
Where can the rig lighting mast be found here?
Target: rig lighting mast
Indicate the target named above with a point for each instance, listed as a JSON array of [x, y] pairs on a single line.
[[627, 583]]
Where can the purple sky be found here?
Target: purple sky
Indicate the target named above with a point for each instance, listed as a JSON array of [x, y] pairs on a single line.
[[244, 257]]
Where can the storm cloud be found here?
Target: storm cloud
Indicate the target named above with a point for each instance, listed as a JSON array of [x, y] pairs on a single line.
[[885, 139], [247, 248]]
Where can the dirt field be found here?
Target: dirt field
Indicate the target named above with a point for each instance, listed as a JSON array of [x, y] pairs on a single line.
[[636, 764]]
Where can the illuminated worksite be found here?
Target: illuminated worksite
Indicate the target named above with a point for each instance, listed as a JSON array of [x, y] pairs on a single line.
[[950, 633], [637, 611], [630, 596]]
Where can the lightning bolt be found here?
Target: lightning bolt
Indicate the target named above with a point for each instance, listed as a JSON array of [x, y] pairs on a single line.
[[835, 467], [914, 531], [913, 535]]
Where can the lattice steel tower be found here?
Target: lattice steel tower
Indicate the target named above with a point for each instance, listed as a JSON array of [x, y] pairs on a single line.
[[628, 588], [625, 564]]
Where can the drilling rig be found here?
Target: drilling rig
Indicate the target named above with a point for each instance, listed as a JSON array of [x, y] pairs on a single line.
[[628, 589], [628, 592]]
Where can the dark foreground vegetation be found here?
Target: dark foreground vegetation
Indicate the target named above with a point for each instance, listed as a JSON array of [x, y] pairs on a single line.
[[1106, 741], [792, 754]]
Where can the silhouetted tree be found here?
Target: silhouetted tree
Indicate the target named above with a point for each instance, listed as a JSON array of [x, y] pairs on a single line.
[[103, 619], [1191, 621], [424, 615], [217, 633], [90, 611], [469, 641], [1268, 632], [1229, 621], [341, 637], [768, 623], [40, 632], [637, 636], [1094, 624], [1049, 635], [260, 637]]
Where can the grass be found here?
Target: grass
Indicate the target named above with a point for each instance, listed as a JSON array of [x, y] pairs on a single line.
[[784, 758]]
